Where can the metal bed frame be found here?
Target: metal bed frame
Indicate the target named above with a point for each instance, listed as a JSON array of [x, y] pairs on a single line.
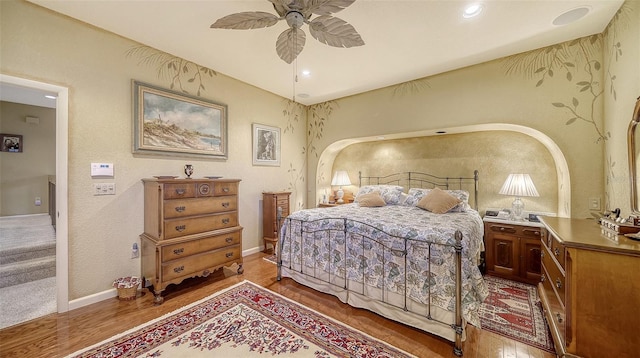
[[344, 227]]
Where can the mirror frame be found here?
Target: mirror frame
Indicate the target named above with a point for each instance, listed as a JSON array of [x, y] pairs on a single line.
[[633, 171]]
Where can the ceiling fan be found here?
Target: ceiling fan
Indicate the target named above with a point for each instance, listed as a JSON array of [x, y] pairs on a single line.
[[325, 28]]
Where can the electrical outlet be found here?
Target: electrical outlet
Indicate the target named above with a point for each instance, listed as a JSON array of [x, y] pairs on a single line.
[[594, 203], [38, 201], [135, 253]]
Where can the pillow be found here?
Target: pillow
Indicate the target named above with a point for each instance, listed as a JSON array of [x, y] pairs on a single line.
[[391, 194], [415, 194], [371, 200], [438, 201]]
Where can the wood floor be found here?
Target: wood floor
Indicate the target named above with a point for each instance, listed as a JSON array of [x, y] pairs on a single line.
[[58, 335]]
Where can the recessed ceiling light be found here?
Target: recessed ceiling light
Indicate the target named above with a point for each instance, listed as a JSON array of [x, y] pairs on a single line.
[[472, 10], [50, 96], [306, 73], [572, 15], [381, 137]]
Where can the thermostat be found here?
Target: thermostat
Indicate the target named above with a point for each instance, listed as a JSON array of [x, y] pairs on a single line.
[[101, 169]]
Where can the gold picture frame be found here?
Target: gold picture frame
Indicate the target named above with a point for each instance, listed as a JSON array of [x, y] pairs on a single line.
[[176, 124]]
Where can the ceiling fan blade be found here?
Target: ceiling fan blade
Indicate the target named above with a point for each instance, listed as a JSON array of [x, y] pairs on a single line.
[[326, 7], [334, 32], [246, 20], [280, 6], [290, 43]]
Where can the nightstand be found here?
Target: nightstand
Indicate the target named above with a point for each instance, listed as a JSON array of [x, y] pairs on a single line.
[[271, 202], [513, 249]]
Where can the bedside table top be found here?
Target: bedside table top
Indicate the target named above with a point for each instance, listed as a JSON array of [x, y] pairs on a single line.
[[493, 219]]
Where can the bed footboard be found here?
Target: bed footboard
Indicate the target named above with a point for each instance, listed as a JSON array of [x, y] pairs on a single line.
[[358, 259]]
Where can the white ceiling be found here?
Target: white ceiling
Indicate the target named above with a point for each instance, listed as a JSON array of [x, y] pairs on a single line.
[[404, 40]]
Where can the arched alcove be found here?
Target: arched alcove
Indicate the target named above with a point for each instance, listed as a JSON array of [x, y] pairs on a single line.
[[561, 173]]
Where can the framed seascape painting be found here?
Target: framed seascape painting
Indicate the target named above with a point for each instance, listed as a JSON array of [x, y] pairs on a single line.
[[172, 123], [266, 145], [11, 142]]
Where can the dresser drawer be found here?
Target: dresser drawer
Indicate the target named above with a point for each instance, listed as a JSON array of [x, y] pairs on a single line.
[[194, 225], [553, 275], [198, 263], [198, 206], [177, 251], [557, 310], [220, 189]]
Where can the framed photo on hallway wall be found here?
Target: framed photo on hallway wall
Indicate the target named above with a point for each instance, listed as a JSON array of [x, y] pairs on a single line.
[[171, 123], [266, 145], [11, 142]]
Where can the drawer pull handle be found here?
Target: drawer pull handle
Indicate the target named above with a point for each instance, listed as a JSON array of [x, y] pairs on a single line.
[[229, 254], [180, 209], [180, 191], [225, 220], [181, 228], [542, 254], [225, 205], [558, 283], [559, 318], [542, 278], [502, 229], [557, 251], [206, 273], [537, 233], [229, 240], [225, 190], [178, 251], [178, 269]]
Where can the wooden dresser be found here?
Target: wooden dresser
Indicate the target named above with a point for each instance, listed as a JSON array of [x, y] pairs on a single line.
[[590, 289], [191, 228], [513, 249], [271, 201]]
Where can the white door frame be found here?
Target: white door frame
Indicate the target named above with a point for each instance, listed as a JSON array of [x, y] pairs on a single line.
[[62, 149]]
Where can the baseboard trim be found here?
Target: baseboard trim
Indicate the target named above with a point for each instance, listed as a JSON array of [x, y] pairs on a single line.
[[91, 299], [111, 293]]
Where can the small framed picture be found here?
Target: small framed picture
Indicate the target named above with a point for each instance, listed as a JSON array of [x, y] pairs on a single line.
[[11, 142], [266, 145]]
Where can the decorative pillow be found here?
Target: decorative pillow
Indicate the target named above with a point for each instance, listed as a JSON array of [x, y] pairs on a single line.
[[438, 201], [371, 199], [415, 194], [390, 193]]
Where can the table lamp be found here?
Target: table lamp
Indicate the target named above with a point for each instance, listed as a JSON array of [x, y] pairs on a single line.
[[518, 185], [340, 178]]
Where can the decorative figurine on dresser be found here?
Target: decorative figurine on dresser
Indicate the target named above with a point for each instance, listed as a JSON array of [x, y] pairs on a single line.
[[191, 228], [271, 201]]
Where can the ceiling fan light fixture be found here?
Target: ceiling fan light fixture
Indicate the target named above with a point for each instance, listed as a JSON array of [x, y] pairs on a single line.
[[472, 10]]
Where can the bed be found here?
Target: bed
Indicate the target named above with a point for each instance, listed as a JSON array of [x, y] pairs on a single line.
[[408, 264]]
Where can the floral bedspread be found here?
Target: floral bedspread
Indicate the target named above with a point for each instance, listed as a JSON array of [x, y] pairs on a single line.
[[379, 261]]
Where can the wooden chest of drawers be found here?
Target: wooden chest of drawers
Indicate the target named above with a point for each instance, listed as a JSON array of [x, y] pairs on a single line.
[[191, 228], [590, 290], [271, 201]]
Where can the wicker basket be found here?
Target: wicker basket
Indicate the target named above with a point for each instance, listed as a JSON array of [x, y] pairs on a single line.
[[127, 287], [127, 294]]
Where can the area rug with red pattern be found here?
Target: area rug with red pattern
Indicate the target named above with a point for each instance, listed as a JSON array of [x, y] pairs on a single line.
[[513, 310], [244, 320]]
